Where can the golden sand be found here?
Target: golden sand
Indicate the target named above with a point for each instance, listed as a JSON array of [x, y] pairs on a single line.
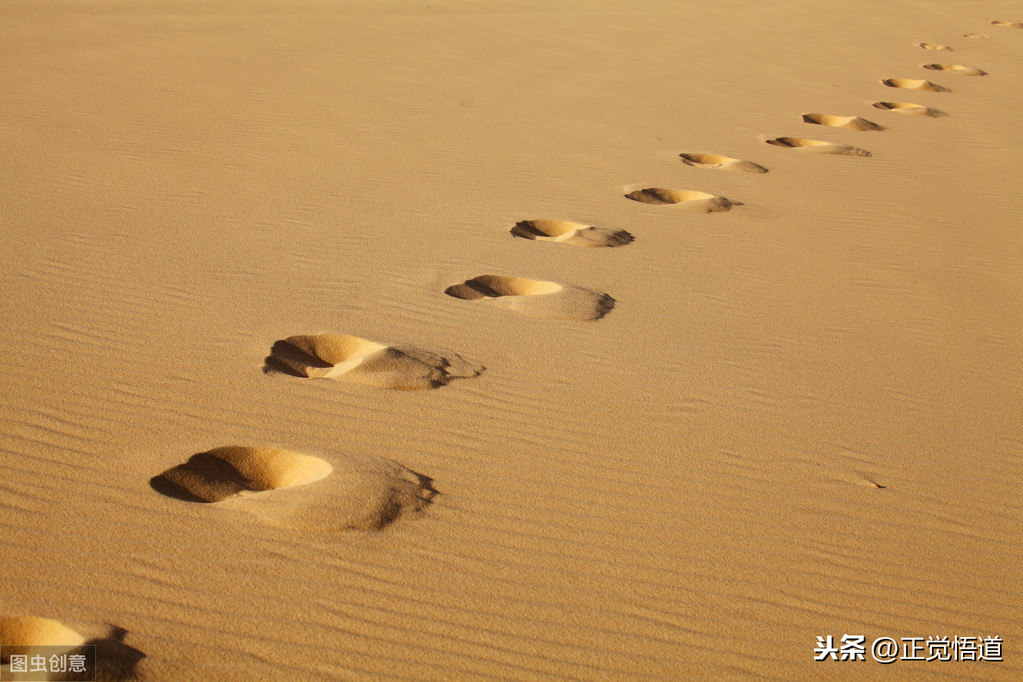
[[688, 456]]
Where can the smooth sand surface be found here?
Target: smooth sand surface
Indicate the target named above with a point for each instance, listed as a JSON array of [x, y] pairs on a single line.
[[803, 417]]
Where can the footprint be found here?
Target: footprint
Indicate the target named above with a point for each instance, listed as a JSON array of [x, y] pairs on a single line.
[[846, 122], [910, 109], [914, 84], [722, 162], [935, 46], [818, 146], [568, 232], [956, 68], [1007, 24], [535, 298], [342, 357], [701, 202], [976, 36], [105, 658], [226, 472], [365, 495], [19, 636]]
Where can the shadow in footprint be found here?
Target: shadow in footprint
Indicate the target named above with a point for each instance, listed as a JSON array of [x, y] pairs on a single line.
[[287, 358], [226, 472], [567, 232], [115, 660], [203, 478]]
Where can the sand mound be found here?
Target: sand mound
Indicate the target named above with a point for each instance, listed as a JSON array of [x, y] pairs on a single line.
[[910, 109], [691, 200], [914, 84], [567, 232], [19, 634], [845, 122], [722, 162], [818, 146], [343, 357], [535, 298], [226, 472], [956, 68]]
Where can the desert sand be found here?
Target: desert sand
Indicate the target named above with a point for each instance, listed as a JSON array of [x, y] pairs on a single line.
[[334, 348]]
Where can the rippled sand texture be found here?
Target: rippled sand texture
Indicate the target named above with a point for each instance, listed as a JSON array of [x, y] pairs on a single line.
[[457, 340]]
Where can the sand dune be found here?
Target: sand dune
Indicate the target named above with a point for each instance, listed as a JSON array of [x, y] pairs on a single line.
[[795, 421]]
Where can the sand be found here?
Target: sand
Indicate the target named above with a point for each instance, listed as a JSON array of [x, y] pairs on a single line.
[[657, 438]]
